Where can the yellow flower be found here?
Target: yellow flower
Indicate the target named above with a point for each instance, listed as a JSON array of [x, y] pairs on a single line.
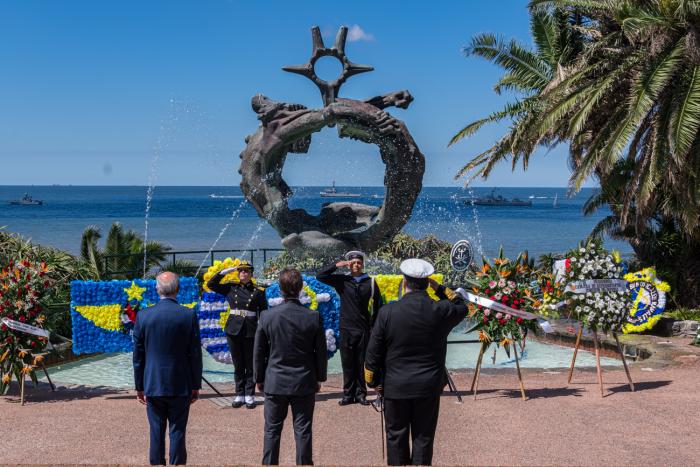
[[505, 342], [38, 359], [4, 356], [6, 378], [27, 369]]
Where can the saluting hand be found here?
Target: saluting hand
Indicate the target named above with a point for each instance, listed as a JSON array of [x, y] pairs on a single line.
[[342, 264], [223, 272]]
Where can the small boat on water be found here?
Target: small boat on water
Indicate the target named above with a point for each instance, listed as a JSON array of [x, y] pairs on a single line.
[[27, 200], [332, 192], [213, 195], [498, 200]]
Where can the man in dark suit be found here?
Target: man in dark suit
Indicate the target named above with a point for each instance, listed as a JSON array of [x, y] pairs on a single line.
[[167, 368], [290, 362], [408, 346]]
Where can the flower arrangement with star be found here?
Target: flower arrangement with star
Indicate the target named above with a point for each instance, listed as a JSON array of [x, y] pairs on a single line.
[[231, 277], [507, 282], [22, 286], [598, 310]]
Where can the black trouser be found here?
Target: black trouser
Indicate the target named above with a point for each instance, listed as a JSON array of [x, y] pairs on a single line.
[[353, 347], [276, 407], [242, 354], [175, 412], [417, 418]]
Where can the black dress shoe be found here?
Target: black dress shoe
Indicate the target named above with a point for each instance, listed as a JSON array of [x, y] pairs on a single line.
[[250, 406], [346, 401], [236, 404], [362, 400]]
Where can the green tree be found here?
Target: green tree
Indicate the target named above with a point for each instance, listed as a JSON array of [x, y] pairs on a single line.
[[628, 106], [123, 254]]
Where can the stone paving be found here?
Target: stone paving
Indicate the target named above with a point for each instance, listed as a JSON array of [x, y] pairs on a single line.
[[559, 423]]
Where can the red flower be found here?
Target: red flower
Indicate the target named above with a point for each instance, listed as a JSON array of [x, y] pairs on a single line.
[[33, 344], [502, 322], [22, 319], [9, 340], [486, 319], [46, 283], [519, 320], [4, 327]]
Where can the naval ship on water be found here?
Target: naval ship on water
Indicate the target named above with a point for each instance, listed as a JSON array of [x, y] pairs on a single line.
[[333, 192], [27, 200], [498, 200]]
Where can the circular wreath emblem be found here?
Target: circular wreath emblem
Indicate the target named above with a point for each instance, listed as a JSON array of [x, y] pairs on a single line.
[[287, 128]]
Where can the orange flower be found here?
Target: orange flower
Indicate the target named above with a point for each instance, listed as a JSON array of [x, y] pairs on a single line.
[[27, 369], [500, 261], [504, 274], [6, 378], [38, 359], [4, 356], [23, 353], [505, 342], [483, 337]]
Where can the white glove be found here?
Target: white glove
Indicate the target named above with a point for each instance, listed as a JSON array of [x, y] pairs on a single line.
[[226, 271]]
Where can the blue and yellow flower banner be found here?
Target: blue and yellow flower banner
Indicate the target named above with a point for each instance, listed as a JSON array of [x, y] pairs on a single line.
[[103, 313]]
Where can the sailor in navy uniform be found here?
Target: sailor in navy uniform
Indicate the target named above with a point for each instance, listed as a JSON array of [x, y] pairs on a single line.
[[360, 300], [407, 348], [247, 301]]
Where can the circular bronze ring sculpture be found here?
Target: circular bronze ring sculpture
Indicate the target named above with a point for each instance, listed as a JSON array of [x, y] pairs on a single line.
[[287, 128]]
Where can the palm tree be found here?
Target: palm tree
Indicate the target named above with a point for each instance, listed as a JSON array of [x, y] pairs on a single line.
[[627, 102], [527, 72], [123, 255]]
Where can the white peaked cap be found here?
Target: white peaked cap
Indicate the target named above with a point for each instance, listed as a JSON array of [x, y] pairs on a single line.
[[353, 253], [416, 268]]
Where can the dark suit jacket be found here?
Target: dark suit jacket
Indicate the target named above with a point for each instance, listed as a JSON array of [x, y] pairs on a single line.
[[243, 297], [290, 355], [167, 350], [409, 343]]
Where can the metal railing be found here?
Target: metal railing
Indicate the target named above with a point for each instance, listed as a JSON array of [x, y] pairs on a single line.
[[111, 262]]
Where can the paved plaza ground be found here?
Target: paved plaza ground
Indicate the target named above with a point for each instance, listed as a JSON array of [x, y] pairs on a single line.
[[559, 424]]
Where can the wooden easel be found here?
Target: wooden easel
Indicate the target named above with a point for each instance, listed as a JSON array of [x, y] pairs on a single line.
[[21, 383], [475, 380], [597, 346]]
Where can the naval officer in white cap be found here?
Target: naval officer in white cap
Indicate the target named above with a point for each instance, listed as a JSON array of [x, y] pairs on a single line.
[[360, 300], [406, 355]]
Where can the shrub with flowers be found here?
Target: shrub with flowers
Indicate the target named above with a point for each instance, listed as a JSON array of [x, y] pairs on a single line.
[[22, 285], [604, 310], [506, 282]]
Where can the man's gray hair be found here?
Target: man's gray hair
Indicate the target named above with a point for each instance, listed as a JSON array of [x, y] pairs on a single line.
[[167, 284]]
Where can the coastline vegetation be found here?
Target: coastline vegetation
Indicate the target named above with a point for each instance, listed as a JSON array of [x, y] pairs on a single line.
[[618, 83]]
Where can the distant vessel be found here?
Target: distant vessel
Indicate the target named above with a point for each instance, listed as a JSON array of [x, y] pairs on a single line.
[[498, 200], [332, 192], [27, 200], [554, 203], [225, 196]]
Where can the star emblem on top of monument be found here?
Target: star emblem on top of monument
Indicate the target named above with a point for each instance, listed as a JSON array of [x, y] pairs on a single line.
[[286, 128]]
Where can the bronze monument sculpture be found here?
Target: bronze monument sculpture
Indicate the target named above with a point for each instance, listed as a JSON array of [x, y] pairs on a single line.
[[287, 128]]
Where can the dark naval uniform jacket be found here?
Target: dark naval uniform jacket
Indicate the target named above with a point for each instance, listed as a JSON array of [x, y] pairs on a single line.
[[409, 343], [240, 297], [354, 298]]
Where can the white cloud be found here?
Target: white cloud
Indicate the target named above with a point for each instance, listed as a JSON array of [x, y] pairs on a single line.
[[356, 33]]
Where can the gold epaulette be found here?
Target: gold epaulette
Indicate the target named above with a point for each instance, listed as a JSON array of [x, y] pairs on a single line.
[[451, 294]]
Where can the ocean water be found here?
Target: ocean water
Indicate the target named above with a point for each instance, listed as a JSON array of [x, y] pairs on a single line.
[[189, 218]]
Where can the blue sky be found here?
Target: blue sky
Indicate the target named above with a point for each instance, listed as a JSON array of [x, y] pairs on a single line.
[[91, 90]]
